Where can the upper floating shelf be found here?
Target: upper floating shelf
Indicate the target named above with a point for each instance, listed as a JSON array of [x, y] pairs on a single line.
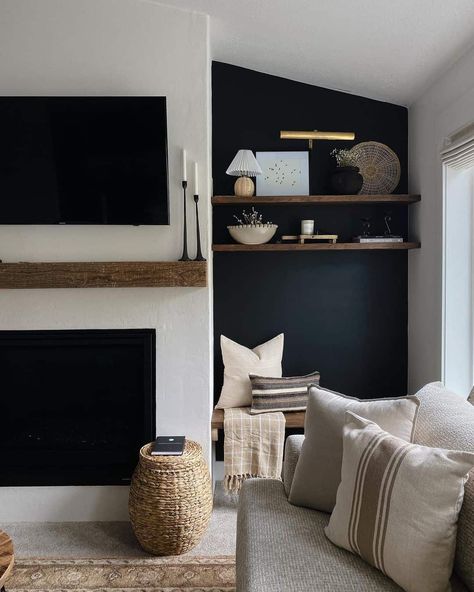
[[406, 198]]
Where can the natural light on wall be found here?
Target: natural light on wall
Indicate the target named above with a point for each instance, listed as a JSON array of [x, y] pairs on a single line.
[[458, 272]]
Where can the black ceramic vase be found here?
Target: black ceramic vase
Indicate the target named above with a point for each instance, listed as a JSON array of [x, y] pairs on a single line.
[[346, 180]]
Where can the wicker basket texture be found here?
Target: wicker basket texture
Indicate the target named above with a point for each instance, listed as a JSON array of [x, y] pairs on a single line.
[[170, 500], [6, 557]]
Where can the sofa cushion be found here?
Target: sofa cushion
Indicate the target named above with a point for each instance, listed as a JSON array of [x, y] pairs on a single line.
[[318, 472], [293, 446], [283, 547], [446, 420], [397, 505]]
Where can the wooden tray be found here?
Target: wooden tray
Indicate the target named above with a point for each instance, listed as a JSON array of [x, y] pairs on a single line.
[[301, 238]]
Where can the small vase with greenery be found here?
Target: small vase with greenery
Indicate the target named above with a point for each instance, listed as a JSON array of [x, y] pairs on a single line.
[[346, 178]]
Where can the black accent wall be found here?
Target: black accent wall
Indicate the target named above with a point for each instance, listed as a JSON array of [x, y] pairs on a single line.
[[343, 313]]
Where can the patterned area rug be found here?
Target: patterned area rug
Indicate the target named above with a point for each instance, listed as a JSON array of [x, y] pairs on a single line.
[[156, 574]]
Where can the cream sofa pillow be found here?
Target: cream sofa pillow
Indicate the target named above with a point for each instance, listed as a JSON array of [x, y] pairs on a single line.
[[240, 362], [318, 472], [446, 420], [398, 504]]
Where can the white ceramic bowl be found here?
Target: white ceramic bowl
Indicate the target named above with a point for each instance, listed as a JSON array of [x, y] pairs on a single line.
[[249, 234]]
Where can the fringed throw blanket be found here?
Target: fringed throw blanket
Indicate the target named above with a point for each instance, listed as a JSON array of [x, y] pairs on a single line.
[[253, 446]]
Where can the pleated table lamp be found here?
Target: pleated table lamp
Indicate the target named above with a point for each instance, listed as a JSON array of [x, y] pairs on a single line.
[[244, 166]]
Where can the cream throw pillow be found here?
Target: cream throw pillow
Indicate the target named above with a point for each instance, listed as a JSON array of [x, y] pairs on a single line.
[[240, 362], [398, 504], [318, 472], [446, 420]]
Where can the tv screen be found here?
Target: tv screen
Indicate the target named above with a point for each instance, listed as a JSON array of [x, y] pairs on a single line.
[[83, 160]]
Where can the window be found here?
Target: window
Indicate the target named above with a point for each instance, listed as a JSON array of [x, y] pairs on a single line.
[[458, 271]]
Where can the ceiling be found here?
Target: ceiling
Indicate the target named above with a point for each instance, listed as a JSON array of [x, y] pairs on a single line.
[[384, 49]]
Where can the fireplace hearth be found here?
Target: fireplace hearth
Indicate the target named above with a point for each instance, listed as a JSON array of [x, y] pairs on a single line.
[[76, 405]]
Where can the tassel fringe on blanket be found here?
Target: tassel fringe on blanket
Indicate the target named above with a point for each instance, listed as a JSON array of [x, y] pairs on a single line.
[[233, 483], [253, 446]]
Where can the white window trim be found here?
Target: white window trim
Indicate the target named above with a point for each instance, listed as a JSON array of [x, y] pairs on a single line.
[[443, 273], [448, 162], [472, 281]]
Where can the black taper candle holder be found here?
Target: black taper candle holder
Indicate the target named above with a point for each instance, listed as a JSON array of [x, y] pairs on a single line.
[[184, 256], [199, 256]]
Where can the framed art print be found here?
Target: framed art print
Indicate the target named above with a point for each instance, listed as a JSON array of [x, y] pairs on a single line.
[[283, 173]]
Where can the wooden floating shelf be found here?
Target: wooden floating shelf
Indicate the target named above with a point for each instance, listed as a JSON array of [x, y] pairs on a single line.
[[273, 247], [221, 200], [117, 274], [294, 419]]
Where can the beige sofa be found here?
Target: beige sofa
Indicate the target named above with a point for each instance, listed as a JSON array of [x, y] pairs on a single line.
[[282, 548]]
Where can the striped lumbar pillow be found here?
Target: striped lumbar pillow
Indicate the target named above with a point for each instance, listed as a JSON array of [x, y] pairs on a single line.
[[281, 394], [397, 505]]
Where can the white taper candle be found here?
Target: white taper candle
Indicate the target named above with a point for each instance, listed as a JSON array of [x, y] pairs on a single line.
[[196, 181], [185, 176]]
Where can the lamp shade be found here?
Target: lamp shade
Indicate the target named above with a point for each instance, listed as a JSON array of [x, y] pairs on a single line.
[[244, 165]]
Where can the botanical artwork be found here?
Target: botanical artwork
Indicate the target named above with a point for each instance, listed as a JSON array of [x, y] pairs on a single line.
[[283, 173]]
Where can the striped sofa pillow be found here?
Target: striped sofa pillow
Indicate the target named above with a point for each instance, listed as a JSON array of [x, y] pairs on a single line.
[[397, 505], [281, 394]]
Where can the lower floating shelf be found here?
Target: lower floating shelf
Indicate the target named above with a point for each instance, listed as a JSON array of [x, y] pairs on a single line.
[[272, 247]]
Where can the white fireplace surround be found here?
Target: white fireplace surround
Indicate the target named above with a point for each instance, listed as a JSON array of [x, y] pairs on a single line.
[[120, 47]]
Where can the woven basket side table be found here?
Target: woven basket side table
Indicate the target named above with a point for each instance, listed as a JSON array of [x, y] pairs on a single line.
[[7, 558], [170, 501]]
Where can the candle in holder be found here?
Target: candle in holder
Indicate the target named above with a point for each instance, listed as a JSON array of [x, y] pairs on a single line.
[[196, 183], [185, 176], [307, 226]]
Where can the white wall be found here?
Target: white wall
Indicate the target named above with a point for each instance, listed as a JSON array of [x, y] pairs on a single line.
[[444, 108], [115, 47]]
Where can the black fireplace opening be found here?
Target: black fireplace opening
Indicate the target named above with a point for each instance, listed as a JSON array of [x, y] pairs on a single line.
[[77, 405]]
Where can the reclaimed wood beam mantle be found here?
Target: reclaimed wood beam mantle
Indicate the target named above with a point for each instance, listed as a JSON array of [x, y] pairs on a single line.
[[116, 274]]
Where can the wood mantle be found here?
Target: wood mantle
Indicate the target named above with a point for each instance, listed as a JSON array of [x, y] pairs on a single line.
[[116, 274]]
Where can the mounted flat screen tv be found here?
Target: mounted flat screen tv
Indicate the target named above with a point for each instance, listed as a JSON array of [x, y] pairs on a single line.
[[83, 160]]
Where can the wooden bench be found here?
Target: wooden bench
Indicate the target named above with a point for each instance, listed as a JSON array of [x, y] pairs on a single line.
[[294, 419]]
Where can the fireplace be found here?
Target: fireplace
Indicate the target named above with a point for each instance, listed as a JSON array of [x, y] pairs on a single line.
[[76, 405]]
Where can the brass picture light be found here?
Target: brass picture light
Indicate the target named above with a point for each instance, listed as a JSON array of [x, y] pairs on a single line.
[[316, 135]]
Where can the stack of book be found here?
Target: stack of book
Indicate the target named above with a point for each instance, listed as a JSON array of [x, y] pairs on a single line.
[[168, 446], [388, 238]]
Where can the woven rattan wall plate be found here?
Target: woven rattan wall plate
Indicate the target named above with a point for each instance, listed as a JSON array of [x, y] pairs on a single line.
[[379, 166]]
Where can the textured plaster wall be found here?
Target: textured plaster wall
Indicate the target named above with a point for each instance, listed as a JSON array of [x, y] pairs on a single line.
[[115, 47], [447, 106]]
